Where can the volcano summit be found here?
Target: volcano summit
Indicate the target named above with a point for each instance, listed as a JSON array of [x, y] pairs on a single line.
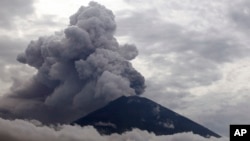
[[126, 113]]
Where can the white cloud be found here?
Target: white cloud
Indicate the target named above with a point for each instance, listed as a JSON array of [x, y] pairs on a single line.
[[20, 130]]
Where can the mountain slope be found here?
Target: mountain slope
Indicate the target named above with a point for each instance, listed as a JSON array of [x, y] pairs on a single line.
[[126, 113]]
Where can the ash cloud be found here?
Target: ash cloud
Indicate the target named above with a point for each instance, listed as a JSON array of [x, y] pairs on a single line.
[[79, 70]]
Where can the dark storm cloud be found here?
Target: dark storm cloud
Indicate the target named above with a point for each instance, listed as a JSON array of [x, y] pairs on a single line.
[[10, 47], [183, 57], [158, 36], [10, 9], [78, 70], [196, 54], [239, 12]]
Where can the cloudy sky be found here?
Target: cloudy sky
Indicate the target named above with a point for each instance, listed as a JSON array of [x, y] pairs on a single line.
[[192, 53]]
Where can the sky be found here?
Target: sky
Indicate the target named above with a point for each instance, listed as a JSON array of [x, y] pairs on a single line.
[[193, 54]]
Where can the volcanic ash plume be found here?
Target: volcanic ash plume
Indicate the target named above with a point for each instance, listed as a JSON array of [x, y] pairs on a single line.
[[78, 70]]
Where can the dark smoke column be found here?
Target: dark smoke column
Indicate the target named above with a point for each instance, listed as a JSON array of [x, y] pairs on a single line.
[[83, 67]]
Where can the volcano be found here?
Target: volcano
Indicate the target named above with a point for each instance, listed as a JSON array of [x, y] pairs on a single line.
[[126, 113]]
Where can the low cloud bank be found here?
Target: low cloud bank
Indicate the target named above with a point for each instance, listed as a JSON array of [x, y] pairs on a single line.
[[21, 130]]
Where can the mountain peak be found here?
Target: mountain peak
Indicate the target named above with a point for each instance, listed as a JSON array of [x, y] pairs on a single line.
[[126, 113]]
